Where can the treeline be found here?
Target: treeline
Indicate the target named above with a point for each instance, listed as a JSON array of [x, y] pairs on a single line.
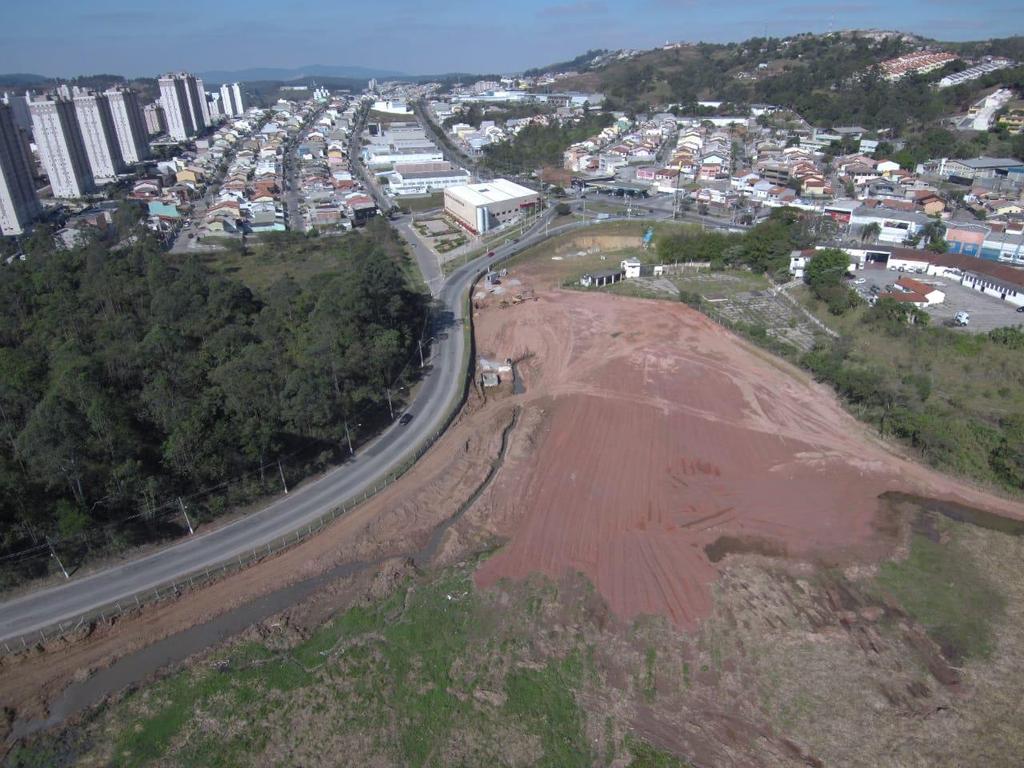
[[764, 248], [909, 401], [129, 378], [540, 145]]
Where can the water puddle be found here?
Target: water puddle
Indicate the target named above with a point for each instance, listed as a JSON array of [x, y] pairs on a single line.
[[960, 513]]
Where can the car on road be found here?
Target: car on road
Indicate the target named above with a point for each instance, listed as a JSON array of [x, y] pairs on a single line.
[[490, 254], [406, 418], [1020, 309]]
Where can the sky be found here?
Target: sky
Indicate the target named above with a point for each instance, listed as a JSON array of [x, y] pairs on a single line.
[[71, 37]]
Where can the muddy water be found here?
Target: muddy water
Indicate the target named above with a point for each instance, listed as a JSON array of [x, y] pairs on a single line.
[[960, 513], [140, 665]]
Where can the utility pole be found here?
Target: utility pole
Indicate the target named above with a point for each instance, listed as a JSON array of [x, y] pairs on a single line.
[[191, 531], [420, 344], [55, 556], [280, 469], [391, 409], [348, 437]]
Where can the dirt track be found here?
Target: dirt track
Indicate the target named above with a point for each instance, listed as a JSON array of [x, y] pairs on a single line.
[[658, 434]]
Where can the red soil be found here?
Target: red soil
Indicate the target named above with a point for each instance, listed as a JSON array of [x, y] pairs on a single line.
[[662, 432]]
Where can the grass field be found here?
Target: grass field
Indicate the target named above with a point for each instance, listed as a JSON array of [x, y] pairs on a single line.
[[422, 202], [433, 675]]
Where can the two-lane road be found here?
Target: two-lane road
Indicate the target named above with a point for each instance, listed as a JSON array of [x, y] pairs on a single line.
[[306, 504]]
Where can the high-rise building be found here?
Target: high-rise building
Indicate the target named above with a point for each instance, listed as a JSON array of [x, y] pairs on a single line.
[[213, 105], [231, 100], [96, 120], [203, 106], [184, 105], [19, 109], [61, 147], [129, 124], [155, 120], [18, 201]]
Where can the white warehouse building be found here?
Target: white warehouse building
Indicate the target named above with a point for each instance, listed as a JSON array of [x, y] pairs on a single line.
[[482, 207], [424, 178]]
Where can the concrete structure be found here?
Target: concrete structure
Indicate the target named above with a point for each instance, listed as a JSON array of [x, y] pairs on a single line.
[[156, 122], [100, 137], [129, 124], [19, 204], [184, 105], [481, 207], [200, 98], [61, 148], [601, 278]]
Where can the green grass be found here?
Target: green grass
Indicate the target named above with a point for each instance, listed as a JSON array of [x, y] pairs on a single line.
[[395, 661], [646, 756], [423, 202], [726, 282], [942, 588]]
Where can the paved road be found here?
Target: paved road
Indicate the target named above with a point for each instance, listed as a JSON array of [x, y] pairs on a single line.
[[305, 504]]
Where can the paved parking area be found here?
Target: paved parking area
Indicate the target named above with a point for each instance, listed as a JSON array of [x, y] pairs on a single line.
[[987, 312]]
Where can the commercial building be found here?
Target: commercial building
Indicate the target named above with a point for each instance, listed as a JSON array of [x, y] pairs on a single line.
[[424, 178], [184, 105], [61, 147], [982, 167], [18, 201], [482, 207], [101, 146], [129, 124]]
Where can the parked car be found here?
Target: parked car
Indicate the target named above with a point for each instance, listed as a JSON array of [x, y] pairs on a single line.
[[1020, 309], [961, 318], [406, 418], [860, 281]]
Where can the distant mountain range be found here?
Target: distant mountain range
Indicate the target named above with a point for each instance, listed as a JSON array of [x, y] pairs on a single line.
[[297, 73]]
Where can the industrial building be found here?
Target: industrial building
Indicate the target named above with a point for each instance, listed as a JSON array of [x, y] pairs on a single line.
[[482, 207], [424, 178]]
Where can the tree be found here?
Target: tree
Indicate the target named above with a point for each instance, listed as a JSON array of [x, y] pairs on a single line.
[[870, 232], [828, 268]]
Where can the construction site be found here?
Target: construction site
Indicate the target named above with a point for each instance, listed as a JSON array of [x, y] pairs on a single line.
[[632, 485]]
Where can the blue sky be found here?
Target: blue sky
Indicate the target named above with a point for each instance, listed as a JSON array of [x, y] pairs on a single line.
[[68, 37]]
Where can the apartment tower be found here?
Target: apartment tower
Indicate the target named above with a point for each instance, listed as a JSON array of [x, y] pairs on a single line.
[[19, 204], [61, 147], [129, 123]]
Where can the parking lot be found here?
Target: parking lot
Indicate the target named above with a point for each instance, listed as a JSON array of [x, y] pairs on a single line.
[[987, 312]]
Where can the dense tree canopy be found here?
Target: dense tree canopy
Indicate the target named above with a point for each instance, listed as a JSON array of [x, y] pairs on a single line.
[[129, 377]]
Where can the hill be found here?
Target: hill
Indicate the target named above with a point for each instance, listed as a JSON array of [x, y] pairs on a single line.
[[828, 79]]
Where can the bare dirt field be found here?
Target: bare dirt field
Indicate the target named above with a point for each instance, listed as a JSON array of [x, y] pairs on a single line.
[[661, 443]]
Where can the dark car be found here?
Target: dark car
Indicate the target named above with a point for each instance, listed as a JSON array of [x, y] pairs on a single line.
[[490, 254], [1020, 309], [406, 418]]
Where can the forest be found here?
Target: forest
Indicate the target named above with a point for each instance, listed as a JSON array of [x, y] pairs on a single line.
[[130, 378], [539, 145], [826, 80]]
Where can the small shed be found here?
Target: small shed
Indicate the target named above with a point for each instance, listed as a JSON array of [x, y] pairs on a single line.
[[601, 278]]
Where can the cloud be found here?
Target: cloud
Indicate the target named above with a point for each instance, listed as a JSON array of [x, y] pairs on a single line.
[[580, 8]]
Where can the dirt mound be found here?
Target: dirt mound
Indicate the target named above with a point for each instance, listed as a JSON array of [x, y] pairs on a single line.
[[665, 437]]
